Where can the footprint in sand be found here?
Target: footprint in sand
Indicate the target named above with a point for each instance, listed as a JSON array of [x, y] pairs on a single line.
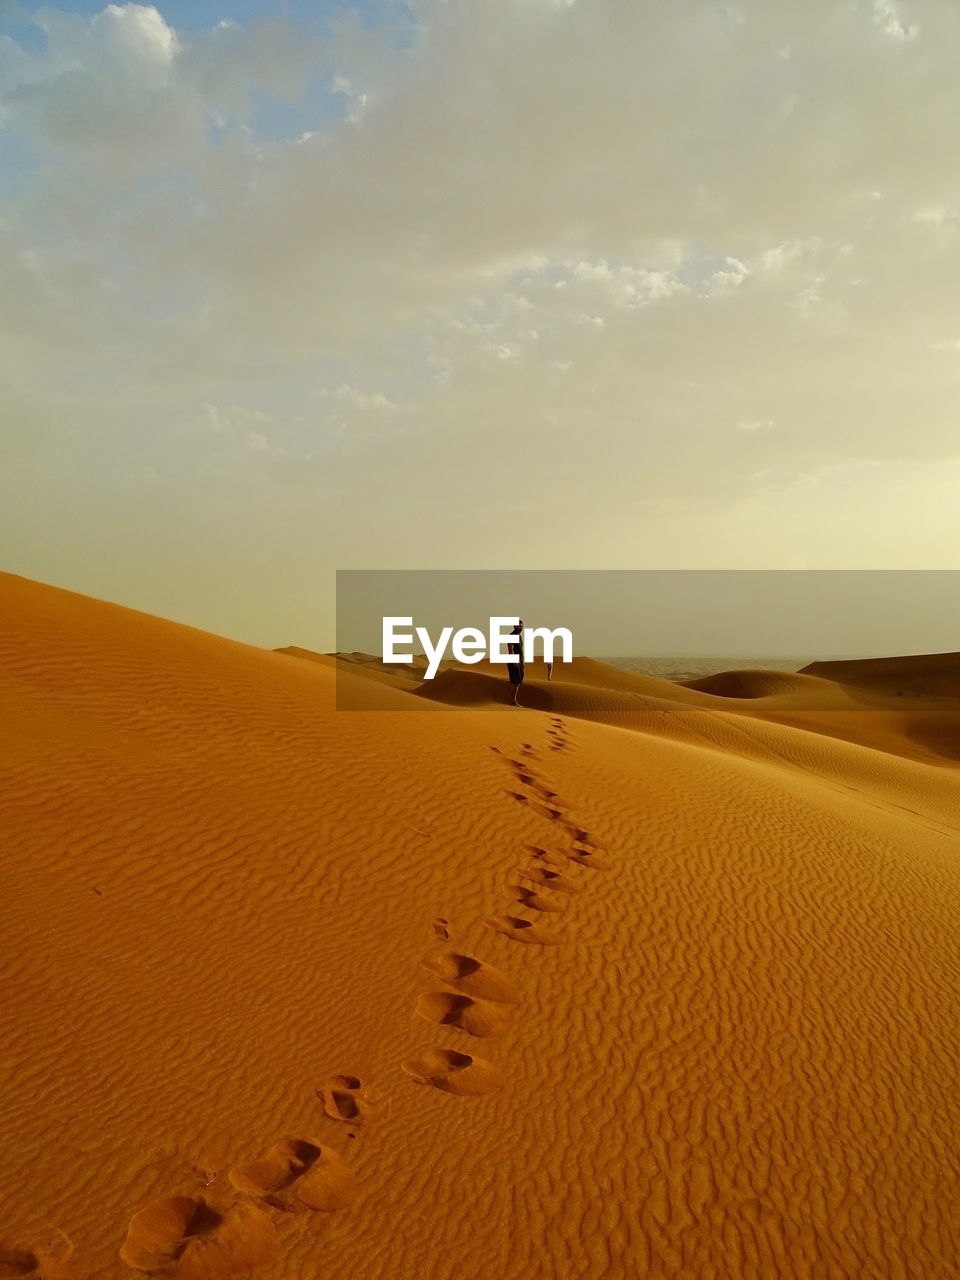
[[343, 1100], [550, 812], [298, 1173], [550, 857], [589, 858], [576, 834], [18, 1262], [472, 977], [520, 930], [185, 1237], [535, 900], [542, 810], [582, 837], [47, 1262], [582, 853], [481, 1018], [457, 1073], [548, 879], [441, 928], [528, 779], [552, 797]]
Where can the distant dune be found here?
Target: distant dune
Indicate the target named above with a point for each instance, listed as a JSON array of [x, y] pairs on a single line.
[[757, 684], [930, 673], [638, 980]]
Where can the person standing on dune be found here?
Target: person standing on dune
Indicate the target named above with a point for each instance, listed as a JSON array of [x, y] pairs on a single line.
[[515, 668]]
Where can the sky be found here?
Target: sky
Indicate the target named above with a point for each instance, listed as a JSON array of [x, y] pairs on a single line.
[[294, 287], [809, 614]]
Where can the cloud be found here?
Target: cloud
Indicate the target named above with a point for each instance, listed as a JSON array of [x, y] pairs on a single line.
[[123, 91], [582, 238], [629, 285], [888, 20], [358, 399], [133, 32]]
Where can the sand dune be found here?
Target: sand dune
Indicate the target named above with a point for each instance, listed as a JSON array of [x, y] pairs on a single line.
[[758, 684], [931, 673], [925, 729], [639, 980]]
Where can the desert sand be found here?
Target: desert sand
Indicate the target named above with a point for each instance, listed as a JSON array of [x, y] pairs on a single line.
[[639, 980]]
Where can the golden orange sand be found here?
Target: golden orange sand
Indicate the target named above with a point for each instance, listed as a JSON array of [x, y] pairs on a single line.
[[640, 980]]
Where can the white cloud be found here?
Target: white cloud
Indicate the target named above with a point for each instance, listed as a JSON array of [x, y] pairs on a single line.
[[730, 277], [358, 399], [136, 31], [888, 20], [121, 90], [789, 255], [628, 284], [639, 223]]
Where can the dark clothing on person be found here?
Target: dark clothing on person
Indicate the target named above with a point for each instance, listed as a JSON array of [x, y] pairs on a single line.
[[515, 669]]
